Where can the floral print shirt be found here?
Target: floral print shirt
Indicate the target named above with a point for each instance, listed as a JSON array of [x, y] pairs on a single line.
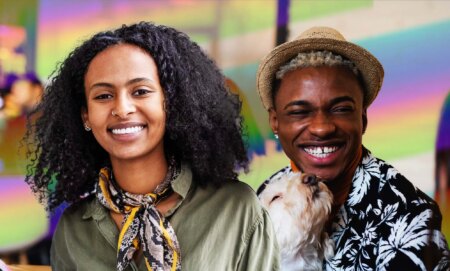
[[385, 224]]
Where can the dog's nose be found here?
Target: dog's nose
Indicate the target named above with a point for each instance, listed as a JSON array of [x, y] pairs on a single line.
[[309, 179]]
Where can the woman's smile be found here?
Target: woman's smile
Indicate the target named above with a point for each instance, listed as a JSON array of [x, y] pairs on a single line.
[[127, 132]]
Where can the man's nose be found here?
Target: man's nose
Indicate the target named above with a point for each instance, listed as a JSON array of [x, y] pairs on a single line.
[[124, 106], [321, 125]]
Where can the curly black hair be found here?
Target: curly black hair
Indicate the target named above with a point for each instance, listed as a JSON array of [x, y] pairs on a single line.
[[203, 123]]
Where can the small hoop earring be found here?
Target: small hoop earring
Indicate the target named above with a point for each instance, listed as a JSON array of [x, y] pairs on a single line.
[[86, 127]]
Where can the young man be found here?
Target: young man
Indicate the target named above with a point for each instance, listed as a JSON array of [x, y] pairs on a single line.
[[317, 89]]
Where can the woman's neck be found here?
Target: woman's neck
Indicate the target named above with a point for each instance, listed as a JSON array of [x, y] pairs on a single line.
[[140, 176]]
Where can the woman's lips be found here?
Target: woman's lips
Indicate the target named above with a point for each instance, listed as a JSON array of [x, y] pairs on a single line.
[[128, 130]]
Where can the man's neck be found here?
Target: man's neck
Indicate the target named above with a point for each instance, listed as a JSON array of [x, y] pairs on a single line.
[[342, 186]]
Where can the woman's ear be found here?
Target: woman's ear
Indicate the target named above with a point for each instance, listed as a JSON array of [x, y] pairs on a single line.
[[84, 116]]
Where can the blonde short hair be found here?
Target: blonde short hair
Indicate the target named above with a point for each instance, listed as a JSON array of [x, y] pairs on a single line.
[[316, 59]]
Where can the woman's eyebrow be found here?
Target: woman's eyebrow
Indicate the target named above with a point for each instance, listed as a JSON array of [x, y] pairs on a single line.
[[130, 82], [140, 79]]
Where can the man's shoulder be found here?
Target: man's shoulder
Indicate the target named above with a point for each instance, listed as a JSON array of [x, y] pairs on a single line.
[[392, 181], [388, 189], [385, 212]]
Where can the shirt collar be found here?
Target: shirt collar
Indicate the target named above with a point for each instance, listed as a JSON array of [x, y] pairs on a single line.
[[181, 185], [183, 182]]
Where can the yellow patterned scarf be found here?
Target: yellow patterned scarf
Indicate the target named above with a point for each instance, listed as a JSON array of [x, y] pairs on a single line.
[[143, 226]]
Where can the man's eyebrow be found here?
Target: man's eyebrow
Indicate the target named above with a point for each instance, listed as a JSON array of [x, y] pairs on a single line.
[[342, 99], [333, 101], [297, 103]]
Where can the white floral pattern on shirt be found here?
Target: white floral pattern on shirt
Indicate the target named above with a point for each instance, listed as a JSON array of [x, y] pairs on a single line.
[[385, 224]]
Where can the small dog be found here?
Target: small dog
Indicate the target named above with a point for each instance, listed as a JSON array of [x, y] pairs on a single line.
[[299, 206]]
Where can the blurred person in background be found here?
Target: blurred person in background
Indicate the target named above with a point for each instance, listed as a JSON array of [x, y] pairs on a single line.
[[139, 135], [8, 81], [21, 95], [442, 165], [25, 93]]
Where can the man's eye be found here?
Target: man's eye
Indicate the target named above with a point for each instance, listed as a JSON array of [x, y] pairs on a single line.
[[103, 97], [141, 91], [298, 112], [343, 109]]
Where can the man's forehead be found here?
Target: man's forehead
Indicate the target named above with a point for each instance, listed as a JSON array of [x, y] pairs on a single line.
[[321, 80]]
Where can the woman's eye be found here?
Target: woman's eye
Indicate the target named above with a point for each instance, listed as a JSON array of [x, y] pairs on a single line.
[[141, 91], [103, 97]]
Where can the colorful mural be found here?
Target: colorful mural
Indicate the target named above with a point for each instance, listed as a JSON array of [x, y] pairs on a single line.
[[411, 39]]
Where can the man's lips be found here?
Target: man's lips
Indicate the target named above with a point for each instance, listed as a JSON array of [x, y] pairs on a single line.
[[322, 150]]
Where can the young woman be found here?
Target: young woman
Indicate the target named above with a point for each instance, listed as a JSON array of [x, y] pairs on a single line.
[[139, 135]]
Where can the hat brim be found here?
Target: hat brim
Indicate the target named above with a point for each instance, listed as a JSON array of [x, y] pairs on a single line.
[[370, 68]]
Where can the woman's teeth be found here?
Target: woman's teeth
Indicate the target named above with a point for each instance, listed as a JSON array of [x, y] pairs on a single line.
[[129, 130]]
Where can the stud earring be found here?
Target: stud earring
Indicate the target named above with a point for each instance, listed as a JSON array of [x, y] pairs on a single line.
[[86, 127], [276, 136]]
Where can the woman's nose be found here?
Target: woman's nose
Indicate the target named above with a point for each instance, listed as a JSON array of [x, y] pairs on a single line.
[[123, 107]]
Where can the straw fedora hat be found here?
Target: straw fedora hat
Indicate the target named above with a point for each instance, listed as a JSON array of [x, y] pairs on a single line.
[[320, 39]]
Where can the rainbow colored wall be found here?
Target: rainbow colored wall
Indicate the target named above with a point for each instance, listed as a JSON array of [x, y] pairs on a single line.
[[411, 39]]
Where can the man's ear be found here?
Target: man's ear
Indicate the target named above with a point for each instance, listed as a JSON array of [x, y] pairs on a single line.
[[273, 120], [364, 120]]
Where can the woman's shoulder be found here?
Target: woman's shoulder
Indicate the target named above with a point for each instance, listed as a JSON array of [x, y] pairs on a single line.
[[240, 192], [228, 195], [238, 188], [84, 239], [81, 210], [235, 196]]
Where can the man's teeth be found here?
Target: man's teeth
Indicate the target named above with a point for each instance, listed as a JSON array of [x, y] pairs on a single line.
[[129, 130], [320, 152]]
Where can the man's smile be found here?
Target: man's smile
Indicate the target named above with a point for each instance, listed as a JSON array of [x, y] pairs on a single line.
[[320, 151]]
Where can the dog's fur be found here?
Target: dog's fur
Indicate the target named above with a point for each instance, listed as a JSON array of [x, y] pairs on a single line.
[[299, 208]]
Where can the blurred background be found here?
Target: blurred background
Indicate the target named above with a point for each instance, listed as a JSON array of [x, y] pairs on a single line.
[[409, 123]]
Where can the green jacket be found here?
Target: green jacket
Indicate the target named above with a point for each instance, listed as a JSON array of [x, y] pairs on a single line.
[[217, 228]]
